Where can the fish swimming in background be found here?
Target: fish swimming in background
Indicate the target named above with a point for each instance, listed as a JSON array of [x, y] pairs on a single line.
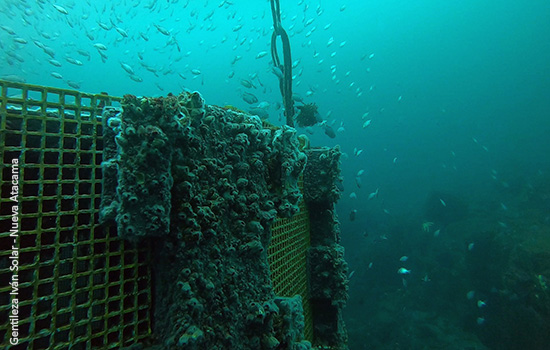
[[247, 84], [329, 131], [403, 271], [261, 54], [260, 112], [373, 194], [352, 215], [249, 98]]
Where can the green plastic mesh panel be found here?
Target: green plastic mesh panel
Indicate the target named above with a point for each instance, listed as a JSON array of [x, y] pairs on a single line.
[[79, 285], [287, 260], [82, 285]]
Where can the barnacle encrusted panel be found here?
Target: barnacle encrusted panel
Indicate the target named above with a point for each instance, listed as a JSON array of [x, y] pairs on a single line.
[[323, 175], [211, 181], [330, 274]]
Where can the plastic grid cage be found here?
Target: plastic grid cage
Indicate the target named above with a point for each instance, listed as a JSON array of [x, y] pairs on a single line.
[[84, 287], [80, 286], [287, 257]]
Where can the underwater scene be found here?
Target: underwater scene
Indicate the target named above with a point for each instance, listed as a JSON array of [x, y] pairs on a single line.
[[428, 129]]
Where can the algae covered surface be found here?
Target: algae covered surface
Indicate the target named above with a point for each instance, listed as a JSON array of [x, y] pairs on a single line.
[[203, 184]]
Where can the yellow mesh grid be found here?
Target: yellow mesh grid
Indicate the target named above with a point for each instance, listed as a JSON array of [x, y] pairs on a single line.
[[80, 286], [286, 255]]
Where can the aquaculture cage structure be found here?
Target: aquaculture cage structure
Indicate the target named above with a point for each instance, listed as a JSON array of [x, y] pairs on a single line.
[[79, 285]]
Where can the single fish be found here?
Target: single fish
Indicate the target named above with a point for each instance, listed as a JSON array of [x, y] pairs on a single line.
[[366, 123], [373, 194], [249, 98], [61, 9], [56, 75], [329, 131], [162, 30], [195, 72], [143, 36], [13, 78], [263, 105], [403, 271], [54, 62], [247, 84], [127, 68], [73, 61], [121, 32], [84, 53], [100, 46], [403, 258], [73, 84], [8, 30], [261, 54], [260, 112], [136, 78], [352, 215], [49, 51], [104, 26]]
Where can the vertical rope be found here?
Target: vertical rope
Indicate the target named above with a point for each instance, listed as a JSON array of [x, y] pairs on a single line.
[[285, 82]]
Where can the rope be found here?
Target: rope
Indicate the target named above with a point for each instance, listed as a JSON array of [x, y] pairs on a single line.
[[285, 82]]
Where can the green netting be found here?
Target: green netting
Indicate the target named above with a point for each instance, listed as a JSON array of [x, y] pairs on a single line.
[[79, 285], [287, 260]]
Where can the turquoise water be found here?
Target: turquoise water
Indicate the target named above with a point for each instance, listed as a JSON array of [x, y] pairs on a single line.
[[457, 97]]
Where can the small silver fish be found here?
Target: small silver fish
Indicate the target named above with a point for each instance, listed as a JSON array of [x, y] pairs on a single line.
[[73, 61], [373, 194], [54, 62], [261, 54], [127, 68], [162, 30], [100, 46], [249, 98], [8, 30], [403, 271], [247, 84], [121, 32], [61, 9], [73, 84], [136, 78]]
